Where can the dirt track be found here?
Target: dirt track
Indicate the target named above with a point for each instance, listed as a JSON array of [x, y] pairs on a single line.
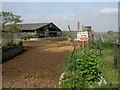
[[39, 67]]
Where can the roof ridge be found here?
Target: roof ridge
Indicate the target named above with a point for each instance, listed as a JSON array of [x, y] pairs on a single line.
[[34, 23]]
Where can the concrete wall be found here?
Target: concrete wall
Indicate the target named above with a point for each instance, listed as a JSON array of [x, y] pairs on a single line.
[[7, 54]]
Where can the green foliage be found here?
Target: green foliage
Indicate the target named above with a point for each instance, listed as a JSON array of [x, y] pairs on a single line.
[[27, 37], [84, 64], [101, 45], [107, 44], [19, 43], [108, 71], [10, 23], [8, 18], [11, 45], [75, 82]]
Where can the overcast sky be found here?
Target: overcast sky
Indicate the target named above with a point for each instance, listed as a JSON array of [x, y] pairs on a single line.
[[102, 16]]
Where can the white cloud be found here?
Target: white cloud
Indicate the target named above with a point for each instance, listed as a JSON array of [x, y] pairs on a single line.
[[63, 16], [106, 11], [109, 11], [28, 18]]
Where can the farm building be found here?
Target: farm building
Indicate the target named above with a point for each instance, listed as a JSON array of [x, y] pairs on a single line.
[[41, 29]]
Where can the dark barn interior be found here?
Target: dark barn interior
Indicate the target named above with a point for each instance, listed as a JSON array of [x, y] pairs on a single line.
[[52, 32]]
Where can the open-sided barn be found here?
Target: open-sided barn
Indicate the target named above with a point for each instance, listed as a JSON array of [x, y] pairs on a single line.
[[41, 29]]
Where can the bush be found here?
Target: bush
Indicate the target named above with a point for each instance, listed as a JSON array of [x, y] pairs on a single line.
[[11, 45], [100, 45], [75, 82], [84, 64], [27, 37], [19, 43], [107, 44]]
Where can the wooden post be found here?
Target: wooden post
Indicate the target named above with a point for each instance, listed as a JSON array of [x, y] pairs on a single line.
[[69, 28], [69, 32], [72, 41], [83, 28], [115, 54], [83, 44], [79, 42], [78, 26], [89, 30]]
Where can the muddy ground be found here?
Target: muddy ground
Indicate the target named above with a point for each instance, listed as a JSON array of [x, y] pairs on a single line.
[[39, 66]]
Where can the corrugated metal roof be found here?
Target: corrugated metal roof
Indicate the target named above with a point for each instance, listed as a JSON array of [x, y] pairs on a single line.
[[32, 26], [29, 26]]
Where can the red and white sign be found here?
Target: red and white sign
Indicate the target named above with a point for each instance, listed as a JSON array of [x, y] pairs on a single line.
[[82, 36]]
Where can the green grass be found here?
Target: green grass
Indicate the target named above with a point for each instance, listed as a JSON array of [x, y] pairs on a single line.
[[109, 72], [119, 63]]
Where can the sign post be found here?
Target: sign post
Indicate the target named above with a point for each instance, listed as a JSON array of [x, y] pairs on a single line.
[[82, 36]]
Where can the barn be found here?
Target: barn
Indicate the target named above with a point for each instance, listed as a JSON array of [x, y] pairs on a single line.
[[41, 29]]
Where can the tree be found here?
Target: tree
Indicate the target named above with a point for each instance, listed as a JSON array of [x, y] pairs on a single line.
[[10, 23], [110, 32]]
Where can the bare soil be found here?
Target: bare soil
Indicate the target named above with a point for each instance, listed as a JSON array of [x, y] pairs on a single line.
[[39, 66]]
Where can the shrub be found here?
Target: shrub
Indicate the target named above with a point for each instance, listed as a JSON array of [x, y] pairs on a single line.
[[107, 44], [19, 43], [74, 82], [11, 45], [101, 45], [84, 64], [27, 37]]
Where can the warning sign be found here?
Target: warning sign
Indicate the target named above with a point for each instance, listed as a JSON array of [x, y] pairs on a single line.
[[82, 36]]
